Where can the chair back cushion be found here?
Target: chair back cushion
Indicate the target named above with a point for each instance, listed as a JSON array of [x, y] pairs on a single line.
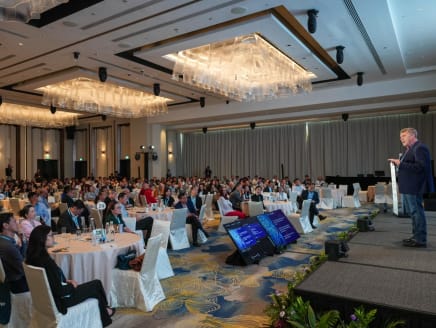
[[179, 218], [150, 258]]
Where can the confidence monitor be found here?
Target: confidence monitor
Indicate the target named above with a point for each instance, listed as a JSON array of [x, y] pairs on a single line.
[[279, 229], [251, 240]]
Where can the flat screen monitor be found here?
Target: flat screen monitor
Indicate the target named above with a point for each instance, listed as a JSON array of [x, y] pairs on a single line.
[[250, 239], [278, 227]]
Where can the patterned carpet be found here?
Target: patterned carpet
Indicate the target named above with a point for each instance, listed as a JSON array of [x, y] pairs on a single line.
[[206, 292]]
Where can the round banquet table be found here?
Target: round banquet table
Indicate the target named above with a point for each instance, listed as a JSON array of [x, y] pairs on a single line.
[[81, 261]]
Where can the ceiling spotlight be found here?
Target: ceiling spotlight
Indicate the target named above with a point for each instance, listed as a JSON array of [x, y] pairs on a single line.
[[227, 102], [52, 109], [103, 117], [340, 54], [102, 74], [76, 55], [1, 100], [142, 147], [204, 130], [202, 102], [424, 109], [156, 89], [359, 78], [345, 117], [151, 147], [253, 125], [311, 21]]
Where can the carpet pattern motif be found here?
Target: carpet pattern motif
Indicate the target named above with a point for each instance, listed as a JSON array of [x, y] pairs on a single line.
[[206, 292]]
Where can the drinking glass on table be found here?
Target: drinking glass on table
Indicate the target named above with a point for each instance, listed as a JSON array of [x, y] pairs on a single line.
[[78, 234], [63, 231]]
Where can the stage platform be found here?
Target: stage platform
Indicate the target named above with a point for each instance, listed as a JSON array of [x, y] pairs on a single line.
[[379, 272]]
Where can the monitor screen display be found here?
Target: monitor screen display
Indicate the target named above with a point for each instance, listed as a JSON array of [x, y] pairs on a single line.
[[278, 227], [250, 238]]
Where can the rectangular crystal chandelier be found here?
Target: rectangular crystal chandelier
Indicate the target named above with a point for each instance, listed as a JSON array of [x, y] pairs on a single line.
[[87, 95], [35, 116], [245, 68], [25, 10]]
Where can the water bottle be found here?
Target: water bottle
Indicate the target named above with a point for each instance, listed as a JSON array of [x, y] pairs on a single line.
[[112, 232]]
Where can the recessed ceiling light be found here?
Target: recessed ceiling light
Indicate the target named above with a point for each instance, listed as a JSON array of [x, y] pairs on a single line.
[[124, 45], [238, 10], [20, 44]]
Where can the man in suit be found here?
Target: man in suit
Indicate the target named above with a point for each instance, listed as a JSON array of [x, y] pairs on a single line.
[[191, 217], [236, 197], [310, 193], [70, 219], [415, 178], [195, 200]]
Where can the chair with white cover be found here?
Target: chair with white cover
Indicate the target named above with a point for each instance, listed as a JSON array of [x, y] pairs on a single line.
[[21, 306], [63, 207], [379, 197], [14, 204], [139, 289], [202, 215], [224, 218], [293, 195], [255, 208], [178, 235], [304, 217], [130, 222], [352, 201], [326, 200], [208, 202], [94, 213], [44, 311]]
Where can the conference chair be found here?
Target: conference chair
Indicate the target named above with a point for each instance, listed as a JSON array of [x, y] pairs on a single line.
[[255, 208], [224, 219], [130, 223], [21, 306], [178, 235], [352, 201], [293, 199], [142, 289], [94, 213], [209, 209], [44, 311], [326, 200], [304, 217]]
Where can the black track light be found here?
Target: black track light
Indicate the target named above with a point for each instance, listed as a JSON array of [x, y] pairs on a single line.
[[204, 130], [345, 117], [52, 109], [202, 101], [156, 89], [102, 74], [359, 78], [227, 102], [340, 54], [311, 21], [1, 100], [103, 117], [424, 109], [76, 55], [253, 125]]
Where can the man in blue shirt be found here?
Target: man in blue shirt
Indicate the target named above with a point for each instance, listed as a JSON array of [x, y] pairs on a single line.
[[310, 193]]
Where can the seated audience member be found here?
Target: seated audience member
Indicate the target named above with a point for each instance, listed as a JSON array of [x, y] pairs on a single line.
[[67, 196], [41, 208], [282, 195], [226, 205], [297, 187], [319, 181], [246, 193], [191, 218], [257, 196], [11, 254], [66, 293], [70, 219], [147, 192], [236, 197], [311, 194], [195, 199], [167, 199], [29, 221], [114, 215], [269, 186]]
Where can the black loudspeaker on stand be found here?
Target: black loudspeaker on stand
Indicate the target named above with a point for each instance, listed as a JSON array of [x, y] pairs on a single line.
[[364, 224]]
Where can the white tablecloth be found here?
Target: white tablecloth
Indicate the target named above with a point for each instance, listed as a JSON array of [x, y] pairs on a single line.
[[140, 212], [84, 262], [286, 207]]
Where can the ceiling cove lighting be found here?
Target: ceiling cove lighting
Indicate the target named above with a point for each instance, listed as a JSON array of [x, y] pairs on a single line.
[[34, 116], [245, 68], [25, 10], [87, 95]]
